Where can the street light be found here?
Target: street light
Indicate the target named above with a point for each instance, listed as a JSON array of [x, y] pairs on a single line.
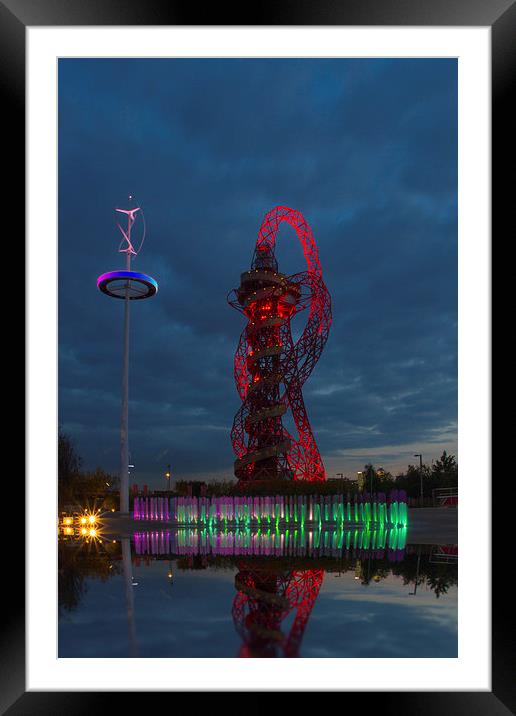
[[168, 475], [341, 475], [420, 472]]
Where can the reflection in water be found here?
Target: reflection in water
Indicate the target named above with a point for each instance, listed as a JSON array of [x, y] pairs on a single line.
[[84, 553], [265, 597], [82, 558], [129, 594], [279, 574], [388, 543]]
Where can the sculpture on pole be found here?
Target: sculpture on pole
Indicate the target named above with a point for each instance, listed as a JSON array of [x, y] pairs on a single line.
[[129, 286]]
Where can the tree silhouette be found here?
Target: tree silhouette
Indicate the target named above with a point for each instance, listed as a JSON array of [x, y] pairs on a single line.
[[68, 466]]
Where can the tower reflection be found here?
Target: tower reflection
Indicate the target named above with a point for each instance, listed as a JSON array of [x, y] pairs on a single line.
[[266, 596]]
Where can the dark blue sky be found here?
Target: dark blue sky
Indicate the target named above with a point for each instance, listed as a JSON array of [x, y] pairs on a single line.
[[366, 149]]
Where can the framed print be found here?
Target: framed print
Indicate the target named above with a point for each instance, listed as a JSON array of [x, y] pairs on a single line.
[[235, 493]]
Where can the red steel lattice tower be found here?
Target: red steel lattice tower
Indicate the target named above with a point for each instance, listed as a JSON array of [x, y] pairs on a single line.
[[270, 368]]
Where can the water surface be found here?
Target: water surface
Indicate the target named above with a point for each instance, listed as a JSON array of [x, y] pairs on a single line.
[[190, 593]]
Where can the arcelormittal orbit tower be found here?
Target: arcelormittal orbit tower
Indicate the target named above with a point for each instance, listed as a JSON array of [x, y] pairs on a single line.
[[270, 368]]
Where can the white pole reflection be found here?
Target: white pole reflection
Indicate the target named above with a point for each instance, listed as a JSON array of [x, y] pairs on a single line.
[[129, 595]]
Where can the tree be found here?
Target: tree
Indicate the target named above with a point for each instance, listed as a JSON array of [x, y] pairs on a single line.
[[411, 480], [446, 466], [96, 483], [371, 479], [385, 480], [68, 466]]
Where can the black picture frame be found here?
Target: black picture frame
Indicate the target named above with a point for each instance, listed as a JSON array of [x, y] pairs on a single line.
[[500, 16]]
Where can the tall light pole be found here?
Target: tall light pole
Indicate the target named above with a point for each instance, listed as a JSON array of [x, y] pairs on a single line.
[[420, 473], [341, 475], [129, 286]]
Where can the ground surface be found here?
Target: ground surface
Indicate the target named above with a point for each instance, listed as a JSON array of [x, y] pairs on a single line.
[[432, 525]]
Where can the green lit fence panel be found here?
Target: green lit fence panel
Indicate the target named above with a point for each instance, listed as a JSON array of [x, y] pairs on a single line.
[[275, 511]]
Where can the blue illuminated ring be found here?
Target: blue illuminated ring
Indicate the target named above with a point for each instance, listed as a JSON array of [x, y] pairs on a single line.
[[130, 284]]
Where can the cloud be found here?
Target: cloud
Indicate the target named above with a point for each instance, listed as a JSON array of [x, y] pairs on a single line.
[[366, 149]]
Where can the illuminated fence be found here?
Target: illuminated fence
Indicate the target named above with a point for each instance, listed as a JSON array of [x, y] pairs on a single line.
[[379, 544], [278, 511]]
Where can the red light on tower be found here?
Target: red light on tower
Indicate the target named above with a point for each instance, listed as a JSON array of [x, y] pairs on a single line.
[[269, 367]]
